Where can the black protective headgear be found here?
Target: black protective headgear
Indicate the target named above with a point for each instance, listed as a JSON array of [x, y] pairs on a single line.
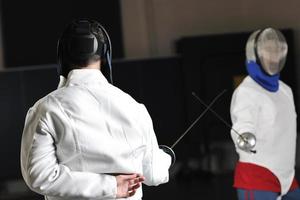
[[84, 40]]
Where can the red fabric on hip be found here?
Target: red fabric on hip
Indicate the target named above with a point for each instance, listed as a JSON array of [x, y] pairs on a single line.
[[255, 177]]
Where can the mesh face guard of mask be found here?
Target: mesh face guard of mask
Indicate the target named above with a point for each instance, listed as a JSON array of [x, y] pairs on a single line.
[[268, 48]]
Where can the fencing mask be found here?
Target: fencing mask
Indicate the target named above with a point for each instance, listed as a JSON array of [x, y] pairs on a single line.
[[268, 48], [84, 41]]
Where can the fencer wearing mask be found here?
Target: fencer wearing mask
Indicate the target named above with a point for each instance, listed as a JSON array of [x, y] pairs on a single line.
[[88, 139], [263, 112]]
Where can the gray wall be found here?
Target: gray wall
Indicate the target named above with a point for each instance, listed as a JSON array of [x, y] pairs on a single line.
[[150, 27]]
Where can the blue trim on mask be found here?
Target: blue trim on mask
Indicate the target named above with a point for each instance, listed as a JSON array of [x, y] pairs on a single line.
[[270, 83]]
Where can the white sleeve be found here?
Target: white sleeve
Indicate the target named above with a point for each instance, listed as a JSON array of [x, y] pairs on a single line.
[[156, 162], [244, 112], [45, 175]]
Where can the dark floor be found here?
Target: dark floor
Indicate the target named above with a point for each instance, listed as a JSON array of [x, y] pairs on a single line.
[[185, 185], [206, 187]]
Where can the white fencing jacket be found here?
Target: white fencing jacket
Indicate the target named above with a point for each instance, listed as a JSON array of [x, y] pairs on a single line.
[[271, 117], [87, 129]]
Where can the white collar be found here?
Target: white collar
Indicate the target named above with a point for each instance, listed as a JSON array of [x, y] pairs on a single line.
[[82, 76]]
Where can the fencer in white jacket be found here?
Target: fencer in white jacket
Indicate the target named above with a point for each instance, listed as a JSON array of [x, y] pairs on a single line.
[[80, 138], [263, 110], [272, 118]]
